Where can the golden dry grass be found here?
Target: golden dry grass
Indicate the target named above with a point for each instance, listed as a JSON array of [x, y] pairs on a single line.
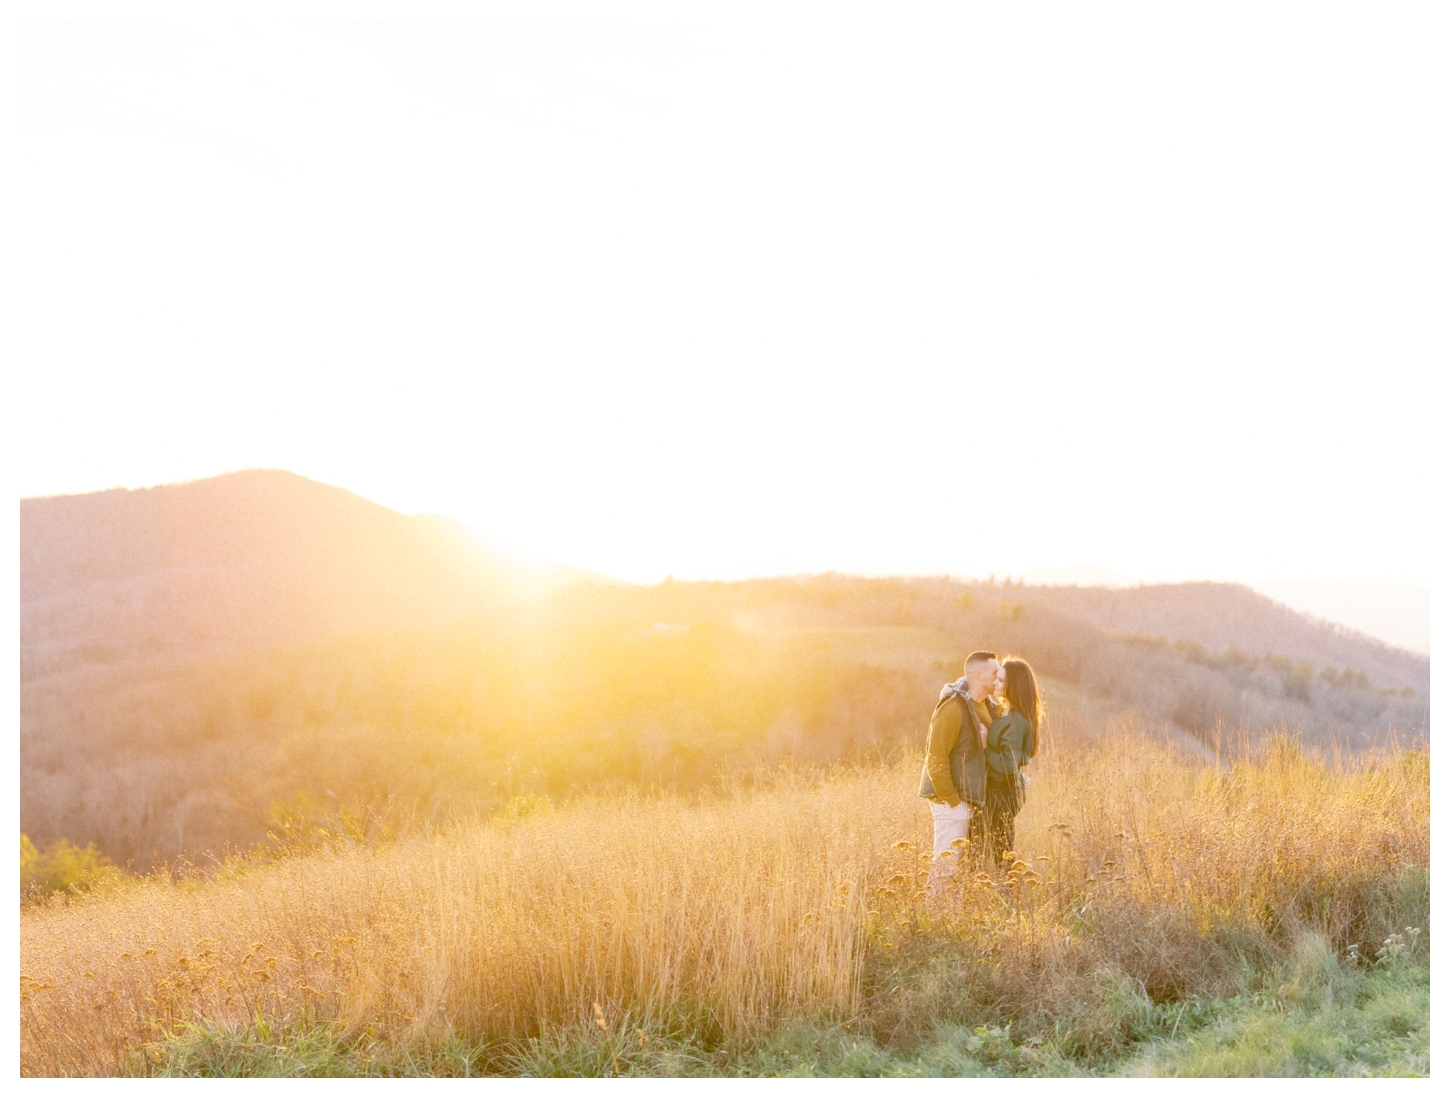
[[748, 908], [1141, 875], [733, 913]]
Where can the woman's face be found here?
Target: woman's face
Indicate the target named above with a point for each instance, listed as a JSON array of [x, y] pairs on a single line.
[[1001, 681]]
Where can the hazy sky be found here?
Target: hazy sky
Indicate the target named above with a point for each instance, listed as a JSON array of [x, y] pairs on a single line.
[[1027, 287]]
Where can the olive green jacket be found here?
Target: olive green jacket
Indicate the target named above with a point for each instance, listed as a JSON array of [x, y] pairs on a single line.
[[955, 769]]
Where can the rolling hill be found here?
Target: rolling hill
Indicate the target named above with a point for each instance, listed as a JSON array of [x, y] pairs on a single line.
[[1220, 615], [240, 561]]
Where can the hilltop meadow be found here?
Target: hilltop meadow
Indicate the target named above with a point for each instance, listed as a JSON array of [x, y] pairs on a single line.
[[308, 787]]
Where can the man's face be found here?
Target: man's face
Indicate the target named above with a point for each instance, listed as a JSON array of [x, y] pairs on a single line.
[[982, 677]]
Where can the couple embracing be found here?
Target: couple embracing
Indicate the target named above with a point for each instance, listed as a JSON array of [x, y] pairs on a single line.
[[983, 731]]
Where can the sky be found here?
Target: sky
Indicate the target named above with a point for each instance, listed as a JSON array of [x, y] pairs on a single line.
[[905, 290]]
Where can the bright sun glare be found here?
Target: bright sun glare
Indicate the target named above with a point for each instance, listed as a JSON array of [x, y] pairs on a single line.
[[681, 297]]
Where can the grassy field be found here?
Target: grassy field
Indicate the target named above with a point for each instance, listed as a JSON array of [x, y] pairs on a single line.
[[1162, 917]]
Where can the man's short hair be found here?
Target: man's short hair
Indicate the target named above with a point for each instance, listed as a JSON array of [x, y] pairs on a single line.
[[980, 657]]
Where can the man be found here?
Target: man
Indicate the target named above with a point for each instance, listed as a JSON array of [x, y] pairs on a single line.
[[954, 776]]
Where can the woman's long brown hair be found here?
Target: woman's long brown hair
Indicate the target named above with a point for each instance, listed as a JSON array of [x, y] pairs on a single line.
[[1021, 693]]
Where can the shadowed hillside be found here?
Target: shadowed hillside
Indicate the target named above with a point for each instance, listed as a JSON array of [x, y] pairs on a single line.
[[211, 663]]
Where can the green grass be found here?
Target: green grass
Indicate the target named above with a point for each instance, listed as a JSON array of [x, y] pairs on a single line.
[[1325, 1017], [1376, 1025], [305, 1050]]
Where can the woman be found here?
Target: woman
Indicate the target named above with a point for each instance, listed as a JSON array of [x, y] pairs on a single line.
[[1011, 743]]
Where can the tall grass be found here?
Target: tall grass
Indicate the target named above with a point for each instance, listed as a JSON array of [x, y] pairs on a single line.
[[1141, 879], [724, 916]]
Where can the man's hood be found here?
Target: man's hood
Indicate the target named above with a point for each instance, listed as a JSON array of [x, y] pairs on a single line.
[[958, 687]]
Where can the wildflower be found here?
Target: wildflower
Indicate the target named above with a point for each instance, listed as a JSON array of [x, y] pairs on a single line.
[[901, 844]]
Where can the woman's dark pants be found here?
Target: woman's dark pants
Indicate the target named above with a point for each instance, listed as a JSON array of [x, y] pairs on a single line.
[[993, 830]]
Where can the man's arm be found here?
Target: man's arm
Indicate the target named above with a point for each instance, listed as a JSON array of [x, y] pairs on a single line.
[[946, 726]]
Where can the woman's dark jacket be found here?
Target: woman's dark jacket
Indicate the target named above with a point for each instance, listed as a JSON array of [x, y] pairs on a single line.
[[1009, 742]]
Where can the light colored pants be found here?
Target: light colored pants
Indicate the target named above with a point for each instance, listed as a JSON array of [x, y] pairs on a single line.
[[948, 824]]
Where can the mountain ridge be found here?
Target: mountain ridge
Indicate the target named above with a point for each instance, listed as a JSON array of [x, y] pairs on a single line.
[[248, 558], [1219, 615]]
